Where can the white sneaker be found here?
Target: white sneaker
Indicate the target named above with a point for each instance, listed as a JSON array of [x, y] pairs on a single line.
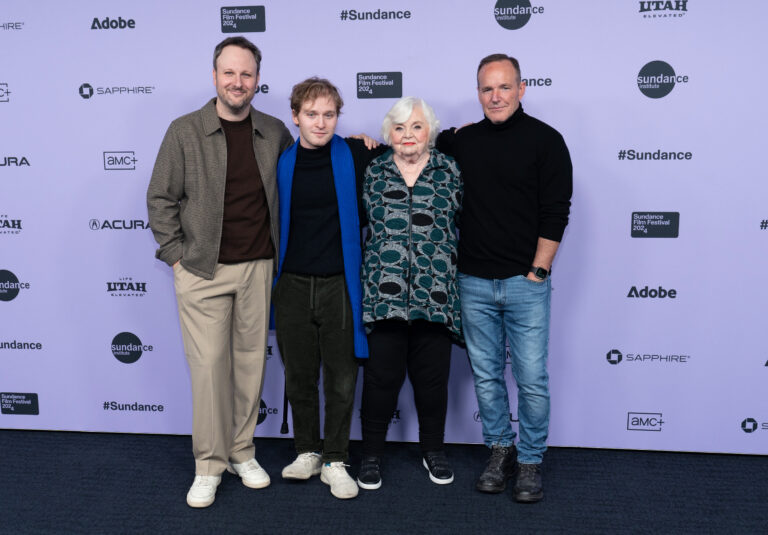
[[305, 466], [203, 491], [335, 475], [253, 475]]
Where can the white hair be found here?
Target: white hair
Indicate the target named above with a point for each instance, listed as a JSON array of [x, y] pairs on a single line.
[[402, 110]]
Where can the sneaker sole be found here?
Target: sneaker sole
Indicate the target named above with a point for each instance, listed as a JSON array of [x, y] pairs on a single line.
[[369, 486], [529, 498], [200, 505], [257, 485], [433, 478], [336, 495]]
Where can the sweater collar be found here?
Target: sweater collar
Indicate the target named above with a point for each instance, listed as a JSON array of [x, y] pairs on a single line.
[[509, 123]]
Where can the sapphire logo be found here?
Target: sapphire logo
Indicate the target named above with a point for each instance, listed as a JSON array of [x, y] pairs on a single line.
[[662, 9], [264, 411], [127, 348], [243, 19], [10, 285], [657, 79], [644, 421], [614, 356], [127, 287], [86, 91], [9, 226], [514, 14], [19, 403], [749, 425], [4, 92], [118, 224], [120, 160], [113, 24], [11, 26], [14, 161]]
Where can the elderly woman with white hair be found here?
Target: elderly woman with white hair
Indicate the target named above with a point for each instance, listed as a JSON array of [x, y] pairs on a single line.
[[411, 196]]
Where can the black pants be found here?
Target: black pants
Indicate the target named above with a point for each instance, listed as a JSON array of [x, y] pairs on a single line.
[[313, 320], [423, 349]]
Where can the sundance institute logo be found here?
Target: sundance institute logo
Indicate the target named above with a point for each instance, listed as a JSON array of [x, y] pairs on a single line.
[[514, 14], [127, 348], [657, 79]]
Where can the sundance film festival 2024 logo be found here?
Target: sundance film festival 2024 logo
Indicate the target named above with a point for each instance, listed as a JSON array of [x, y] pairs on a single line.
[[21, 403], [514, 14], [379, 84], [243, 19], [655, 224], [657, 79]]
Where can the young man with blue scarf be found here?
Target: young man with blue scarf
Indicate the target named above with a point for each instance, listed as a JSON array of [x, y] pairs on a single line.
[[317, 294]]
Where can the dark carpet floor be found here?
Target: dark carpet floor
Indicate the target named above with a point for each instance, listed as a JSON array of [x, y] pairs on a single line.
[[58, 482]]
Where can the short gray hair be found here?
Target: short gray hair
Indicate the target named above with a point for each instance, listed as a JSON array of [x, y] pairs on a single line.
[[402, 110]]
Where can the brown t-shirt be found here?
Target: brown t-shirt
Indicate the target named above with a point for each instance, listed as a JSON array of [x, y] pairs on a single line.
[[245, 231]]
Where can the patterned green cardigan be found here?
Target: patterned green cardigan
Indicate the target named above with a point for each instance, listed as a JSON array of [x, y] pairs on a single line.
[[409, 260]]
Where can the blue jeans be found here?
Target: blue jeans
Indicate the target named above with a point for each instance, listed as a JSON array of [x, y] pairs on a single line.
[[518, 309]]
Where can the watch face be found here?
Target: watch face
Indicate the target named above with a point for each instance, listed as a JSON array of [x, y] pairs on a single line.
[[540, 273]]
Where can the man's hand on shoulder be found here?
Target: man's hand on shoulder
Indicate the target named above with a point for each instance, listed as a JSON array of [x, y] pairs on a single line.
[[370, 143]]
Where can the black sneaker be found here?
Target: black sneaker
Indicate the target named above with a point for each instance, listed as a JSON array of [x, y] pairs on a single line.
[[500, 467], [369, 477], [440, 471], [528, 485]]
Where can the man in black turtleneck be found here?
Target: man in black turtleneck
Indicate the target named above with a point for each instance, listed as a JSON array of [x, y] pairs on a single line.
[[517, 188]]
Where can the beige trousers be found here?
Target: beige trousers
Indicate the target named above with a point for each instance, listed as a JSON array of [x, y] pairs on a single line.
[[224, 325]]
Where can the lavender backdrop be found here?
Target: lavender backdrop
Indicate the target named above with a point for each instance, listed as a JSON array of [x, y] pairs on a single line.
[[683, 372]]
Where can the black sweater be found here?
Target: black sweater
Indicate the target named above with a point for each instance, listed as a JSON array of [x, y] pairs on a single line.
[[517, 187], [314, 245]]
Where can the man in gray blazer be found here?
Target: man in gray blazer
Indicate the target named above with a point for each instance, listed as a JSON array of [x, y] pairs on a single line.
[[212, 204]]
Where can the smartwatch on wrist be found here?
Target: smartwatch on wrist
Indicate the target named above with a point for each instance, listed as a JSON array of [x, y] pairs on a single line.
[[539, 272]]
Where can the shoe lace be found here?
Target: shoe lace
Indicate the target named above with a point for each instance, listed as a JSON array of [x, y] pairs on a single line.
[[204, 482], [497, 457], [307, 459], [528, 470]]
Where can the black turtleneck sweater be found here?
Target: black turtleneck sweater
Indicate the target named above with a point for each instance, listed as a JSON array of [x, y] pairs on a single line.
[[517, 187], [314, 243]]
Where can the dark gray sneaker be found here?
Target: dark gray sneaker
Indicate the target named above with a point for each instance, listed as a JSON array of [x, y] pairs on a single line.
[[528, 485], [500, 467], [440, 470], [369, 477]]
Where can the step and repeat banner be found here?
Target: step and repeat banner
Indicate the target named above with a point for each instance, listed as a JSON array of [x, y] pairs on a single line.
[[658, 326]]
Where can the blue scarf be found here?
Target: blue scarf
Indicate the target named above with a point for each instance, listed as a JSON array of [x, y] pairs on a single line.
[[346, 197]]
